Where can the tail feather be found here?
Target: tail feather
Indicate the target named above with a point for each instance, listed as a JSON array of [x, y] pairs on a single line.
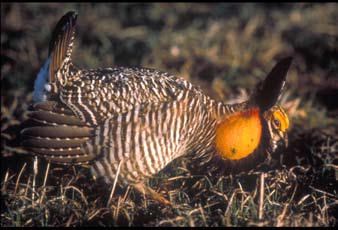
[[61, 44]]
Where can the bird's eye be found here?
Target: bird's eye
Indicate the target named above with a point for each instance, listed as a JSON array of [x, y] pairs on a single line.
[[277, 123]]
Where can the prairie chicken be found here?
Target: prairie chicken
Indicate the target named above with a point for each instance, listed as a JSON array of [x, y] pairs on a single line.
[[138, 120]]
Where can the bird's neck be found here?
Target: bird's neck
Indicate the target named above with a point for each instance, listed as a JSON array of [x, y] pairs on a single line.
[[220, 111], [203, 142], [231, 131]]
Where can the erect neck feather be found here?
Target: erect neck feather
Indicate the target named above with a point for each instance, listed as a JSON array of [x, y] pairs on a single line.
[[220, 110]]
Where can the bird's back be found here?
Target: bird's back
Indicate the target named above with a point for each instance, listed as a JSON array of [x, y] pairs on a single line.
[[95, 94]]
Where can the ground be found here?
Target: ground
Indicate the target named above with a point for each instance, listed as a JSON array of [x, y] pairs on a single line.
[[225, 49]]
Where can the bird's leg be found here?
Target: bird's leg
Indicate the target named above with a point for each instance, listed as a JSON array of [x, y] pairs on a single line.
[[142, 188]]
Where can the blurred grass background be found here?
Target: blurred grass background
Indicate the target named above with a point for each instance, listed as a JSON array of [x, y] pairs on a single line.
[[225, 48]]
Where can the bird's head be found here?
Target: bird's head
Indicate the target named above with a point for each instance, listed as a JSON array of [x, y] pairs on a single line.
[[277, 123]]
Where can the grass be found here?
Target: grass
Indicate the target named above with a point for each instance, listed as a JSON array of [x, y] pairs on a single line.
[[225, 49]]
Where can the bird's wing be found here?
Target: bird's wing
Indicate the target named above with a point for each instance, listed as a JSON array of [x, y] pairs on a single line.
[[56, 134], [61, 137]]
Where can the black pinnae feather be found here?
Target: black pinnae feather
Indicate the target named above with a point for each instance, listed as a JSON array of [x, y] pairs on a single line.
[[268, 91]]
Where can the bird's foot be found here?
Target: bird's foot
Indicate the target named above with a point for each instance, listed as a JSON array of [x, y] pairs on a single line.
[[142, 188]]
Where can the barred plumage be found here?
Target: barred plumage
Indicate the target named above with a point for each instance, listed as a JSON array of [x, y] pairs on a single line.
[[137, 118]]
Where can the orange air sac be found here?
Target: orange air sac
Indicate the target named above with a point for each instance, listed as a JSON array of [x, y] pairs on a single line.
[[238, 135]]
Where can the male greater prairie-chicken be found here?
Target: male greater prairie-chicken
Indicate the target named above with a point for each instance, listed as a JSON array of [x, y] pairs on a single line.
[[138, 120]]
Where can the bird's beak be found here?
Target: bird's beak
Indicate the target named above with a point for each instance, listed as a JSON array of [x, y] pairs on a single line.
[[285, 139]]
